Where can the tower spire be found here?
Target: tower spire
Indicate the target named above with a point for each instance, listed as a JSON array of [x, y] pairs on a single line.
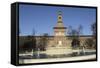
[[59, 17], [59, 12], [59, 21]]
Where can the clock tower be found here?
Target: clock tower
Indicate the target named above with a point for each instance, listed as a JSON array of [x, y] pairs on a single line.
[[59, 32]]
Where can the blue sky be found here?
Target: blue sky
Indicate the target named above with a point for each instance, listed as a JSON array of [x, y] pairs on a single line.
[[43, 18]]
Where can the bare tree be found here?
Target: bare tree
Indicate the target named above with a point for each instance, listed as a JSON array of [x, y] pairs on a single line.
[[75, 35], [89, 43], [33, 32], [34, 40], [70, 30], [75, 39], [43, 42], [80, 30], [93, 28]]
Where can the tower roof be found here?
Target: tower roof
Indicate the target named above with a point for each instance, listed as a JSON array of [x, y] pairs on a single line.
[[59, 21], [59, 12]]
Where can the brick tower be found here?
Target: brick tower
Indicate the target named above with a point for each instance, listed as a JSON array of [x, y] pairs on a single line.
[[60, 32]]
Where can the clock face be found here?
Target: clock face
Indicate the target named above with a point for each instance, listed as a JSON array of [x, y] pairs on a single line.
[[59, 17]]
